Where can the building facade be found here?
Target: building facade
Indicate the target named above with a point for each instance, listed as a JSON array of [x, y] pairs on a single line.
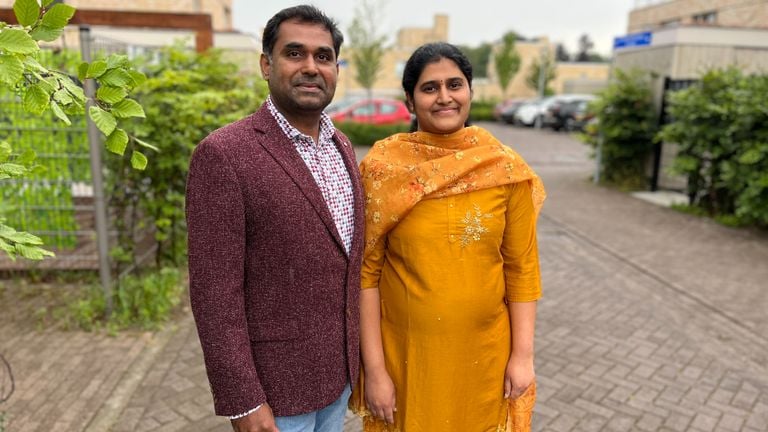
[[655, 15]]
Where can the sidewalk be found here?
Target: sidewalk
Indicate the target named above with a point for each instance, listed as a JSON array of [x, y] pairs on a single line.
[[651, 320]]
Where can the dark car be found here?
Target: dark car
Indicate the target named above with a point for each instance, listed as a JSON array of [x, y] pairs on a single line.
[[560, 108], [375, 111], [507, 113], [576, 115]]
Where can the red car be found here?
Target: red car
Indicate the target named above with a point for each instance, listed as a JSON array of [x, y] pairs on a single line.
[[375, 111]]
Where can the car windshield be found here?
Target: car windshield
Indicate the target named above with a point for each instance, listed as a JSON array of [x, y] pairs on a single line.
[[339, 105]]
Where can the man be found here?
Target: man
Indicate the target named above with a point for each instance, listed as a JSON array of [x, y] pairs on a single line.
[[275, 221]]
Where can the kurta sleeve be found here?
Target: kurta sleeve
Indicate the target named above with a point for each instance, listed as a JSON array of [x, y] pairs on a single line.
[[373, 261], [519, 247], [216, 232]]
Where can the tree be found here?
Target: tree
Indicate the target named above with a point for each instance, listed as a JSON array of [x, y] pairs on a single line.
[[561, 53], [479, 57], [507, 61], [367, 44], [533, 79], [585, 46], [43, 89]]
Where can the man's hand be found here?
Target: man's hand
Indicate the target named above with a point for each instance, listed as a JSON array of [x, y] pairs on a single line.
[[260, 420]]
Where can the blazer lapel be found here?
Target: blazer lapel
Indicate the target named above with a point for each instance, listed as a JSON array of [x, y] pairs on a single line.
[[285, 154]]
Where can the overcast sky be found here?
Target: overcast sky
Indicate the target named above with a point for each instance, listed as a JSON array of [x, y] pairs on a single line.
[[471, 22]]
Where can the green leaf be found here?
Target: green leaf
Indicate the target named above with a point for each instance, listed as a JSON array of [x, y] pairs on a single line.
[[34, 65], [128, 108], [58, 112], [146, 144], [36, 99], [45, 33], [138, 160], [117, 61], [104, 121], [137, 77], [96, 69], [46, 3], [82, 70], [8, 248], [27, 12], [12, 169], [117, 141], [33, 252], [115, 78], [58, 16], [27, 157], [17, 41], [63, 97], [751, 156], [22, 237], [111, 95], [75, 90], [11, 69]]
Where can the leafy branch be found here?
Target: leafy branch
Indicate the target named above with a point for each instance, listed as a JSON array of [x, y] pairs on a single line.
[[43, 89]]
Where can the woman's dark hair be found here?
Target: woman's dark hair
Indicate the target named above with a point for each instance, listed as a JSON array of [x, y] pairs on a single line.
[[433, 53], [304, 14]]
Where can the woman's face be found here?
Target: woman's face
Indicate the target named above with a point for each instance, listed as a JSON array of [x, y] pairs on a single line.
[[441, 98]]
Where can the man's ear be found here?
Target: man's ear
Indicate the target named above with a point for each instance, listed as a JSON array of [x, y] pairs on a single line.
[[266, 66]]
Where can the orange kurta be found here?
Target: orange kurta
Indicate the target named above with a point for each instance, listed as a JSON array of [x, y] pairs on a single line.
[[445, 271]]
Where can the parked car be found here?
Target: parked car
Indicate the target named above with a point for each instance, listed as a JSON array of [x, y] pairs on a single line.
[[507, 114], [527, 113], [501, 106], [576, 115], [552, 115], [375, 111]]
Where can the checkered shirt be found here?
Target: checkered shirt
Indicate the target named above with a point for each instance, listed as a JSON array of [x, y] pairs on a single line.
[[326, 164]]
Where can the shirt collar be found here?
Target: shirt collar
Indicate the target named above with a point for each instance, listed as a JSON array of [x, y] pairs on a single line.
[[327, 129]]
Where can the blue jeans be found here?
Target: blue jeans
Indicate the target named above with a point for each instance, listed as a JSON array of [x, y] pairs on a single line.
[[328, 419]]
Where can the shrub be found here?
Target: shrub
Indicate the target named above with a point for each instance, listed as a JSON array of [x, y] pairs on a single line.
[[626, 124], [364, 134], [481, 111], [721, 127]]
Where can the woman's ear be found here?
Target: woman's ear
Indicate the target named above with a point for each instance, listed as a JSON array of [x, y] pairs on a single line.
[[409, 103]]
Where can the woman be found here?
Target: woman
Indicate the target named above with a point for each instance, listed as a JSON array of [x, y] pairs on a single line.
[[450, 271]]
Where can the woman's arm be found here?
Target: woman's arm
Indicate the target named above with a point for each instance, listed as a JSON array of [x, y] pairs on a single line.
[[523, 283], [520, 373], [379, 388]]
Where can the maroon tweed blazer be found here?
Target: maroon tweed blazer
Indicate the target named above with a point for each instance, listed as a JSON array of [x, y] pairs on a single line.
[[274, 295]]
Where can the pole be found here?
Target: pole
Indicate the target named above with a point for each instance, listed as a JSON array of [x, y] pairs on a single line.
[[100, 207], [542, 83]]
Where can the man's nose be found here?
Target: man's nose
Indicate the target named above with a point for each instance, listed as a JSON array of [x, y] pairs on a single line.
[[309, 66]]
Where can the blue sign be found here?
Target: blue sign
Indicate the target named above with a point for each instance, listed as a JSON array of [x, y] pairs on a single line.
[[632, 40]]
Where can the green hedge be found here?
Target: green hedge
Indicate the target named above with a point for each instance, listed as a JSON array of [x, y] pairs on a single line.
[[482, 111], [364, 134], [623, 134], [721, 128]]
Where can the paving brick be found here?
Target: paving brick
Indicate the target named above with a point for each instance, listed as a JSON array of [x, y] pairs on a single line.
[[704, 422]]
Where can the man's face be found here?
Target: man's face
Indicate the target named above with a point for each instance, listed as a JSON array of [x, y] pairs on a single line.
[[302, 70]]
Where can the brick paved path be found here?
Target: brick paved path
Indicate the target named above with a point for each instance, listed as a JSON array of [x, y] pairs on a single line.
[[651, 321]]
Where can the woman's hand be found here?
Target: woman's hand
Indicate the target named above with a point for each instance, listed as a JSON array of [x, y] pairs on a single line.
[[380, 395], [518, 376]]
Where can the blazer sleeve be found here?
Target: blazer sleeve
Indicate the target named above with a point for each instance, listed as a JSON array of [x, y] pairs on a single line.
[[216, 234]]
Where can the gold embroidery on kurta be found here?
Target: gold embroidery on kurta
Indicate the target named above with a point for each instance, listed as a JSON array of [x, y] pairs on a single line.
[[473, 225]]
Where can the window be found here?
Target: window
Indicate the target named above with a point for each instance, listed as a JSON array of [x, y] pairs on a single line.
[[387, 108], [705, 18], [364, 110], [670, 23]]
